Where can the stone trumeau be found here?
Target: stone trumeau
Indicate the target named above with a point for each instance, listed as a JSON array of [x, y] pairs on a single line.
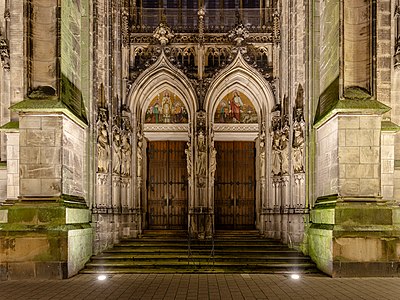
[[127, 116]]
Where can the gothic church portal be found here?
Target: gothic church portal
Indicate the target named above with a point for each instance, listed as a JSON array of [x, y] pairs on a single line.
[[275, 116]]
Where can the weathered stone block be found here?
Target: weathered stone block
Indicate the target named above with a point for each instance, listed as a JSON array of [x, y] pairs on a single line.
[[30, 187], [349, 155], [369, 187], [349, 122], [369, 155], [50, 187], [349, 187]]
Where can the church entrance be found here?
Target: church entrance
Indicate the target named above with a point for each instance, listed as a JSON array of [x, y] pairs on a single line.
[[167, 185], [234, 187]]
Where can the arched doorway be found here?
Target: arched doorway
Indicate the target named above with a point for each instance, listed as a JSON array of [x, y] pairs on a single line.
[[163, 103], [239, 103], [166, 187], [235, 177]]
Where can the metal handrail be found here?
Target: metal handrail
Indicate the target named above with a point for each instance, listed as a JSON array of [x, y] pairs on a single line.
[[186, 20]]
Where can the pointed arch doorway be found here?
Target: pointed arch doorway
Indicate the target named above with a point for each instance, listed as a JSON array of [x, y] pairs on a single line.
[[235, 132], [235, 185]]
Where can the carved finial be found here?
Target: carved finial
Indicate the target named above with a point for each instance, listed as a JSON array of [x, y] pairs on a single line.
[[239, 34], [276, 27], [163, 33], [201, 13]]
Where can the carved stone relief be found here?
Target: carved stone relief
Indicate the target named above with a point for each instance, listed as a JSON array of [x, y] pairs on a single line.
[[396, 57], [163, 34], [4, 53], [103, 142]]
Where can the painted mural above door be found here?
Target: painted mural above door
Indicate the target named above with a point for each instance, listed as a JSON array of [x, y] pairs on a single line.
[[166, 107], [235, 107]]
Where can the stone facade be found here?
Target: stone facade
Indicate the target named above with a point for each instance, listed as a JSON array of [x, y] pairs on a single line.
[[88, 87]]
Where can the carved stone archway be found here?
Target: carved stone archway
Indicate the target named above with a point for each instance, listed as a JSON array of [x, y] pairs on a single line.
[[240, 78], [161, 80]]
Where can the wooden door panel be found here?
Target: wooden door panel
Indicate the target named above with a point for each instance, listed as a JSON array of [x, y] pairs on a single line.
[[234, 192], [167, 194]]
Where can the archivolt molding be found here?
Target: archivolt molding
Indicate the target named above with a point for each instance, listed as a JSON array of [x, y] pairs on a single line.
[[241, 77], [160, 76]]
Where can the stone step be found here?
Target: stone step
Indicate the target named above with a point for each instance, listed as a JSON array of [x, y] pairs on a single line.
[[231, 252], [216, 258]]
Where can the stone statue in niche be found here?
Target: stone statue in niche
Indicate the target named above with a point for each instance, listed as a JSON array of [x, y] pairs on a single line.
[[139, 153], [116, 159], [298, 147], [284, 146], [126, 150], [188, 152], [276, 153], [213, 163], [262, 159], [103, 143], [262, 151], [126, 144], [201, 155]]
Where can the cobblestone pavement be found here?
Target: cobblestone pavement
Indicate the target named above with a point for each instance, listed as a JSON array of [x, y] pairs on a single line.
[[221, 286]]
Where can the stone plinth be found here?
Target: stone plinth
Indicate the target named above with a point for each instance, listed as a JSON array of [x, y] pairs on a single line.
[[355, 238], [44, 240]]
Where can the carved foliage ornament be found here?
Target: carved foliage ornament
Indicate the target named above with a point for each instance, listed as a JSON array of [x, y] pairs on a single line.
[[239, 34], [4, 53], [163, 34], [397, 38]]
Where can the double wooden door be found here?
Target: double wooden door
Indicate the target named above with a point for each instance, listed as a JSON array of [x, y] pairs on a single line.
[[234, 187], [167, 185]]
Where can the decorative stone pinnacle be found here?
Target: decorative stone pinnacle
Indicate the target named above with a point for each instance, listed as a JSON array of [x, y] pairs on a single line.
[[239, 34], [163, 34]]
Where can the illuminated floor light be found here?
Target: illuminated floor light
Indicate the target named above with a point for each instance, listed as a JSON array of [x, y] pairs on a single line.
[[295, 276], [102, 277]]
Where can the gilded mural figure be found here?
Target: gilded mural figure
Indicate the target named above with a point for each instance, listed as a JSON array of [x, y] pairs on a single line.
[[103, 144], [168, 109], [235, 108]]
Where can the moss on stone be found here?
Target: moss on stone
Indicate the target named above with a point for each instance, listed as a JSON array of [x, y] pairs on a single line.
[[389, 126], [10, 126], [48, 105]]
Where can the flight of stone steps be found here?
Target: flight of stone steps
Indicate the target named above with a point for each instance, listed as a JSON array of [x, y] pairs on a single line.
[[229, 252]]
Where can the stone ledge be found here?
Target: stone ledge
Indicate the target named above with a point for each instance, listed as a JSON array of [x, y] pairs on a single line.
[[12, 126], [366, 269], [48, 105], [352, 107]]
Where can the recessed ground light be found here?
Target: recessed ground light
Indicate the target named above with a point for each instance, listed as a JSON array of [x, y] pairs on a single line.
[[102, 277], [295, 276]]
